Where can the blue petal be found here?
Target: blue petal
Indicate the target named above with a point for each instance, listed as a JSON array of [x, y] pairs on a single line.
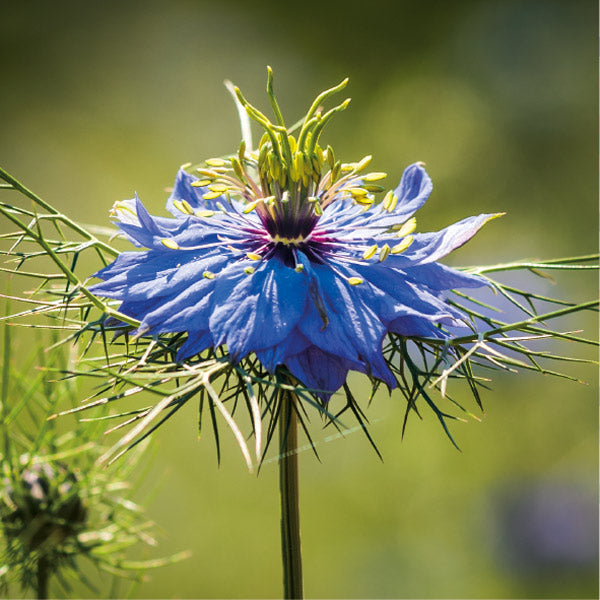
[[439, 277], [392, 295], [353, 330], [430, 247], [319, 370], [188, 306], [277, 355], [412, 191], [197, 342], [257, 311], [414, 326]]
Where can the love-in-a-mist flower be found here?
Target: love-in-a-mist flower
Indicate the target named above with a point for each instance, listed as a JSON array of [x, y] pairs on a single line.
[[283, 252]]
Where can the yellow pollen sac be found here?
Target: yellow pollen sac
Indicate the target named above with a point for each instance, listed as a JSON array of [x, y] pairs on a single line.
[[390, 201], [250, 207], [204, 213], [249, 270], [187, 207], [215, 162], [363, 163], [363, 200], [408, 227], [370, 253], [384, 252], [211, 195], [357, 192], [403, 245], [253, 256], [299, 268], [375, 176], [183, 206], [354, 280], [218, 187], [170, 243], [208, 275]]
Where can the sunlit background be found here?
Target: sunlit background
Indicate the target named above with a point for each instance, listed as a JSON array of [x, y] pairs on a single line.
[[498, 97]]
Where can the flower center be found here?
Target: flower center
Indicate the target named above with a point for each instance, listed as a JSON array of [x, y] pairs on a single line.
[[287, 241]]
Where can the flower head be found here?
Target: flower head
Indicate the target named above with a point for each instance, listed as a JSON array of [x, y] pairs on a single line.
[[284, 253]]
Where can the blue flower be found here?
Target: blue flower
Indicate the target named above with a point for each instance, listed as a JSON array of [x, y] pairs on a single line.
[[268, 254]]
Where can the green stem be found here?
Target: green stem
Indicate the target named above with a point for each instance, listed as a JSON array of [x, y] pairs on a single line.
[[42, 578], [288, 484]]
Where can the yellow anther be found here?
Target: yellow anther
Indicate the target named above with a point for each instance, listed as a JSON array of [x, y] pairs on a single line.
[[171, 244], [299, 268], [249, 270], [187, 207], [360, 192], [354, 280], [403, 245], [389, 201], [253, 256], [204, 214], [177, 204], [363, 163], [384, 252], [250, 207], [218, 187], [363, 200], [208, 275], [215, 162], [370, 253], [211, 195], [375, 176], [407, 227], [183, 206]]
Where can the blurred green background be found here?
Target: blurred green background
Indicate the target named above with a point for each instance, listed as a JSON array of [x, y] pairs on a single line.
[[498, 97]]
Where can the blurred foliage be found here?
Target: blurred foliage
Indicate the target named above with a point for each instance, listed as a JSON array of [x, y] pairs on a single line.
[[60, 512], [498, 98]]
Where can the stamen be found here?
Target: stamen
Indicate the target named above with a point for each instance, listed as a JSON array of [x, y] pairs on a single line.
[[370, 253], [204, 213], [403, 245], [218, 187], [253, 256], [249, 270], [384, 252], [211, 195], [215, 162], [389, 201], [354, 280], [407, 227], [208, 275], [375, 176], [170, 243]]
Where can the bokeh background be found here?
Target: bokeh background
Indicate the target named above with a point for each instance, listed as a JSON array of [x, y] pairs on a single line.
[[498, 97]]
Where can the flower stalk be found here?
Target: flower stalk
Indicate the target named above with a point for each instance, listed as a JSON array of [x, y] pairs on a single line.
[[42, 578], [291, 550]]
